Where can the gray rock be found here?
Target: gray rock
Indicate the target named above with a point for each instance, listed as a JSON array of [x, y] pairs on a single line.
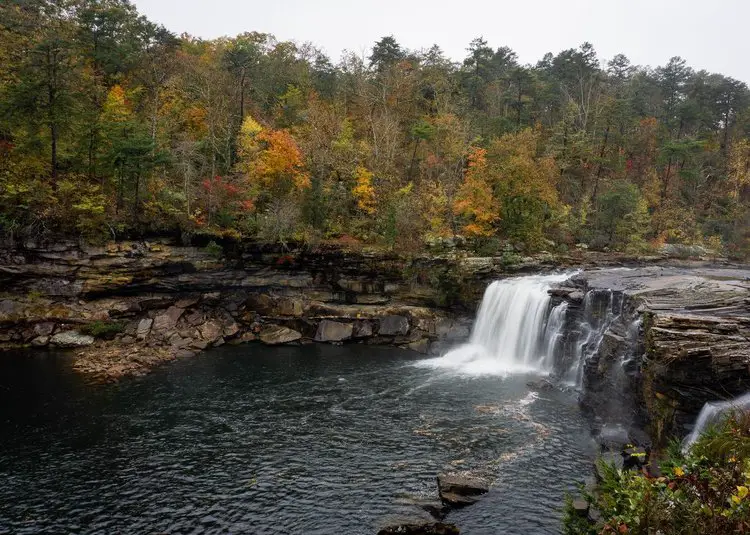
[[9, 310], [40, 341], [276, 334], [199, 344], [393, 326], [71, 339], [333, 331], [144, 327], [581, 507], [613, 437], [459, 491], [231, 329], [187, 302]]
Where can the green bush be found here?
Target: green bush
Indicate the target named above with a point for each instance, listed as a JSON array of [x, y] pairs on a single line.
[[103, 329], [214, 249]]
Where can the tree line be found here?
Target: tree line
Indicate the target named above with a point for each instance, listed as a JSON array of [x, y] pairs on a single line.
[[112, 125]]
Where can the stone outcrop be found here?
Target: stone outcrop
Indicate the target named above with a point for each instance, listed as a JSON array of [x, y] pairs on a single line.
[[170, 300], [333, 331], [460, 491], [144, 302], [681, 338]]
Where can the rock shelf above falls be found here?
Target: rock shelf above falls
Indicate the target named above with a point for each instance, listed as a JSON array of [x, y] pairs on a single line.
[[679, 329]]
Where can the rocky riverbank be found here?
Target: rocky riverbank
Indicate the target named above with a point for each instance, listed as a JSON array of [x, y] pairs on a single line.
[[673, 334], [125, 307]]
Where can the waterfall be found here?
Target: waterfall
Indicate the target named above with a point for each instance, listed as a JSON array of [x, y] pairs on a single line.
[[711, 414], [600, 309], [515, 330]]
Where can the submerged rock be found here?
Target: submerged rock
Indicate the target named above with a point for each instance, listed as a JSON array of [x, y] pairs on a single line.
[[276, 334]]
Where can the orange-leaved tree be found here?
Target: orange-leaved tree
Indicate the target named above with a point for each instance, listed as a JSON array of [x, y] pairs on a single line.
[[475, 201]]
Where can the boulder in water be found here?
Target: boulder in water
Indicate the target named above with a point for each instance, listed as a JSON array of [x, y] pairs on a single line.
[[459, 491]]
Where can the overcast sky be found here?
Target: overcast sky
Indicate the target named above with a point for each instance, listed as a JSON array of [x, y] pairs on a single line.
[[709, 34]]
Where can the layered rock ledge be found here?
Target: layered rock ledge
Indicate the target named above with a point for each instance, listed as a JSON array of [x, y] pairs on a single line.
[[125, 307], [681, 338]]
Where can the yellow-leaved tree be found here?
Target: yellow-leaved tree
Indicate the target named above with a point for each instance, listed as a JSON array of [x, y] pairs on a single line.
[[364, 191]]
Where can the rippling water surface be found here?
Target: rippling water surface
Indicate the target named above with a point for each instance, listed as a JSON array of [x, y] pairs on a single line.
[[314, 440]]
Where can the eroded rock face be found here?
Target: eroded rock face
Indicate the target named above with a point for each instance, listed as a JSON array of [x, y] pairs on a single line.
[[693, 343], [333, 331], [693, 360]]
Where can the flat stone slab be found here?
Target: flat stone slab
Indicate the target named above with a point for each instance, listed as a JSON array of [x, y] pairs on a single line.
[[276, 335], [71, 339]]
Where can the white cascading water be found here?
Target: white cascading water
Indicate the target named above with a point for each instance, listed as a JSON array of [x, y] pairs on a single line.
[[711, 413], [600, 309], [510, 334]]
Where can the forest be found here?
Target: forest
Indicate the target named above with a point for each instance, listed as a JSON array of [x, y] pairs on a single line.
[[112, 126]]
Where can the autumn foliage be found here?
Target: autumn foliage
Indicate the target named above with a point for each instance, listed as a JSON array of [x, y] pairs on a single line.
[[119, 126]]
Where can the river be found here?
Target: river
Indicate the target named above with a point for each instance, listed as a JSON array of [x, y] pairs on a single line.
[[249, 439]]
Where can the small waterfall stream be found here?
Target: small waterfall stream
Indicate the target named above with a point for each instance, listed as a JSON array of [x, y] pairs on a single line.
[[711, 414], [600, 309]]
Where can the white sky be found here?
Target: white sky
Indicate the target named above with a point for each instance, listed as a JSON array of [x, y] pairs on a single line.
[[709, 34]]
